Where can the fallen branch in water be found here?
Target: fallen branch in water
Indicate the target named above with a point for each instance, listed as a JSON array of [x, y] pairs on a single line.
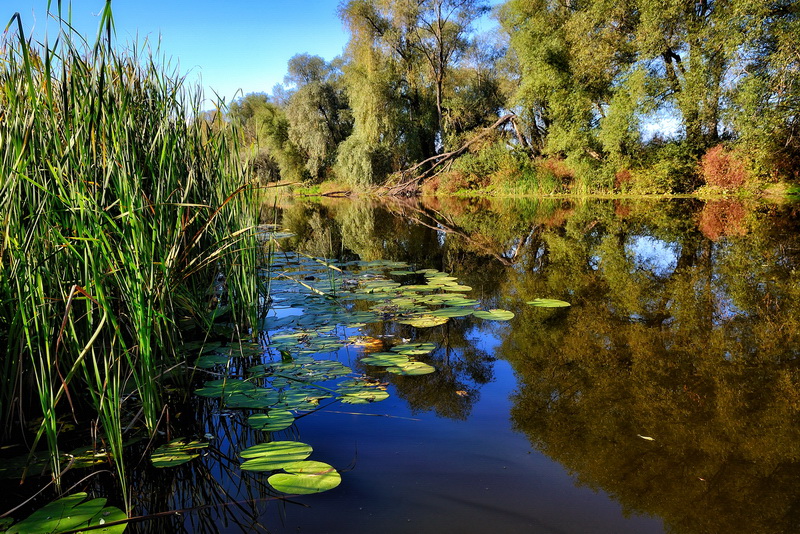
[[410, 180]]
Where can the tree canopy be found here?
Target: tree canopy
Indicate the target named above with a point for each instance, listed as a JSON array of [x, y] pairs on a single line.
[[588, 82]]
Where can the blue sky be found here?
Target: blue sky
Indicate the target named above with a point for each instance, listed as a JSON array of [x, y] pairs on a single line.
[[234, 45]]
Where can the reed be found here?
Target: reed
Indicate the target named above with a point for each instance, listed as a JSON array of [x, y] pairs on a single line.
[[122, 211]]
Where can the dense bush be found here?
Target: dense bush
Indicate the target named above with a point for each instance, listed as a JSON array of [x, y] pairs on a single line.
[[722, 168]]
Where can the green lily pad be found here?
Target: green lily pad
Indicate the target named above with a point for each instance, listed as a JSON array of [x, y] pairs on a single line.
[[176, 452], [360, 392], [548, 303], [424, 321], [274, 455], [457, 287], [259, 398], [412, 369], [207, 361], [223, 387], [304, 478], [494, 315], [273, 421], [384, 359], [299, 397], [414, 349], [71, 513], [364, 396], [451, 312]]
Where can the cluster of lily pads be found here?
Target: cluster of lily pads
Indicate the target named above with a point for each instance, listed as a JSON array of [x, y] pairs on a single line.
[[316, 309]]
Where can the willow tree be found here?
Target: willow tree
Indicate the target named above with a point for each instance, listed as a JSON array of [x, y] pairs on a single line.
[[399, 59], [442, 29], [317, 111]]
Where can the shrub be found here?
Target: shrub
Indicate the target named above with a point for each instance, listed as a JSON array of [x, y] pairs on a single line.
[[722, 168], [667, 167]]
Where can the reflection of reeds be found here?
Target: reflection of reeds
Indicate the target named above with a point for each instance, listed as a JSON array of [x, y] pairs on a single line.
[[117, 215]]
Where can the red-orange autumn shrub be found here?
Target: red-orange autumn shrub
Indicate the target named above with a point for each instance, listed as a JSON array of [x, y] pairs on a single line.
[[721, 167]]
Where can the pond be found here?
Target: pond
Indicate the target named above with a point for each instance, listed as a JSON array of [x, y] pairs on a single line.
[[664, 398]]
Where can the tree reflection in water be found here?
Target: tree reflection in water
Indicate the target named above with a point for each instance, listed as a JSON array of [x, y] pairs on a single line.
[[672, 383]]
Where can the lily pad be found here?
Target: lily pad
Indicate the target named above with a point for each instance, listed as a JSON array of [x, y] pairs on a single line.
[[274, 455], [412, 369], [222, 387], [304, 478], [452, 312], [457, 287], [71, 513], [272, 421], [360, 392], [424, 321], [548, 303], [414, 348], [494, 315], [385, 359], [207, 361], [176, 452]]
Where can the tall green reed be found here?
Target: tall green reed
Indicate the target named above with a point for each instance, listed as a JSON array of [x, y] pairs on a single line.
[[122, 211]]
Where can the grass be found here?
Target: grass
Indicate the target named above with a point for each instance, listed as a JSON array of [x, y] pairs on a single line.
[[122, 212]]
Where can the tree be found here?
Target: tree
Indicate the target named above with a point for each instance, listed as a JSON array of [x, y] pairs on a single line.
[[441, 37], [318, 113], [591, 71], [400, 59]]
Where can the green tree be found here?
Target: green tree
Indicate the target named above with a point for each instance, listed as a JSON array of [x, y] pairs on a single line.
[[400, 60], [590, 71], [318, 113]]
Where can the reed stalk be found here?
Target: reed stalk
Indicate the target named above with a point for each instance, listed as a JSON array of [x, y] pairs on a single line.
[[121, 210]]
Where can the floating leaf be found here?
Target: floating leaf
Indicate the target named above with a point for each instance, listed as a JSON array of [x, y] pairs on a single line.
[[71, 513], [384, 359], [176, 452], [494, 315], [457, 287], [222, 387], [257, 398], [207, 361], [424, 321], [452, 312], [360, 392], [304, 478], [274, 455], [300, 397], [548, 303], [414, 348], [412, 369], [364, 396], [272, 421]]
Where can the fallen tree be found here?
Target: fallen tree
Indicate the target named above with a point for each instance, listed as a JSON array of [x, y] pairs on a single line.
[[408, 182]]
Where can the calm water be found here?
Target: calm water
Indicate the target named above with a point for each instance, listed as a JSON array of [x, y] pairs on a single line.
[[665, 399]]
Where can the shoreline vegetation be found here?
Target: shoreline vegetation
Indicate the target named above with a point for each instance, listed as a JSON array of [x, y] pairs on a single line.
[[128, 228], [570, 98], [128, 216]]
